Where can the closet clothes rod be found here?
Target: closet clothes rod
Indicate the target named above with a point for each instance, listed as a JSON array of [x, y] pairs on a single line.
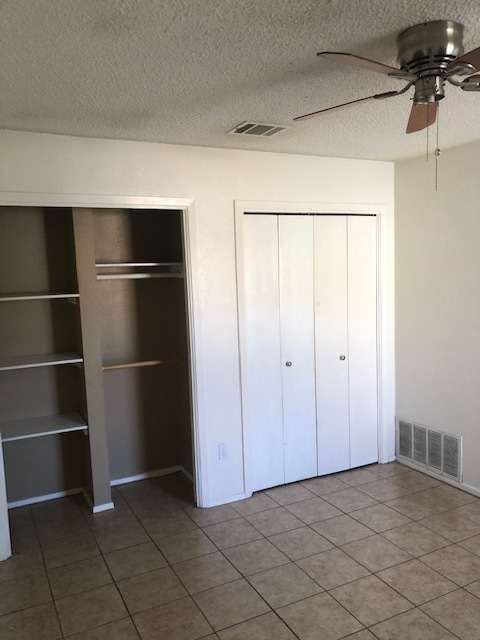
[[141, 363]]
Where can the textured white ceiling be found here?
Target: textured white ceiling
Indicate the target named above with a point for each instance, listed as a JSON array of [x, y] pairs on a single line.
[[187, 71]]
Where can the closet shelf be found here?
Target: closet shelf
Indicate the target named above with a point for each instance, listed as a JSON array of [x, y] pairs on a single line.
[[136, 270], [106, 265], [37, 296], [44, 360], [137, 276], [43, 426], [141, 363]]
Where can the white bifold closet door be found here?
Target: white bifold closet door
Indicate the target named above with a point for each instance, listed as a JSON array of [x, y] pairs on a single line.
[[297, 340], [346, 337], [308, 345], [278, 368]]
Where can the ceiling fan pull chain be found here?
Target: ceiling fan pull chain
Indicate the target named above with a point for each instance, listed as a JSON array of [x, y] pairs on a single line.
[[437, 151], [426, 128]]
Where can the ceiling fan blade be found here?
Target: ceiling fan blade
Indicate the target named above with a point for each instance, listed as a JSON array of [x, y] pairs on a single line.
[[422, 116], [365, 63], [378, 96], [472, 57]]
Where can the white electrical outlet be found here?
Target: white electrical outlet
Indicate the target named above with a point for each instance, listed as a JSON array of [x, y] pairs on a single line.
[[223, 451]]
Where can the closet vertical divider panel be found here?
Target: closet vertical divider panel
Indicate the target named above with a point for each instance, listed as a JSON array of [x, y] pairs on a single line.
[[5, 544], [92, 356]]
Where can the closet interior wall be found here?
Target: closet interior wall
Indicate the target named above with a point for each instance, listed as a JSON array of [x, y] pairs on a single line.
[[143, 326]]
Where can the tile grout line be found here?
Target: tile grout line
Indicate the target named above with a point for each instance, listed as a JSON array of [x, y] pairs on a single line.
[[189, 596], [102, 555], [303, 524], [47, 576]]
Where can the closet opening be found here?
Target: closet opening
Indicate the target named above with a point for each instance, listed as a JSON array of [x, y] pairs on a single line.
[[142, 311], [95, 353]]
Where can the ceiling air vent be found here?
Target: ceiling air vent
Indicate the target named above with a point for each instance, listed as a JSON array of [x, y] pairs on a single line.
[[258, 129]]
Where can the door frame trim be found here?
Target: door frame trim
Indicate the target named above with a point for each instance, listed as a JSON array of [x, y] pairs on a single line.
[[187, 207], [385, 311]]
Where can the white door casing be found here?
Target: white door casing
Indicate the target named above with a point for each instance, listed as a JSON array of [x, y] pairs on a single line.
[[341, 242], [187, 208]]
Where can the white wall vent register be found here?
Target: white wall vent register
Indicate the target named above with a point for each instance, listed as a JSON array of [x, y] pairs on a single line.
[[434, 450]]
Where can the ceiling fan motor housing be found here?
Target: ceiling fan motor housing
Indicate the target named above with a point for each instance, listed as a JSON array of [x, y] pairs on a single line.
[[426, 50]]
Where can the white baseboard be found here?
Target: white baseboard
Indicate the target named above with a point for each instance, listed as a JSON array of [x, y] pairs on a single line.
[[103, 507], [5, 543], [227, 500], [49, 496], [469, 489], [187, 474], [5, 551], [459, 485], [100, 507], [109, 505], [389, 459], [148, 474]]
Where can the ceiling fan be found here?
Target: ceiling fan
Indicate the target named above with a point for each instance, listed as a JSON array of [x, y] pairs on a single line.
[[429, 54]]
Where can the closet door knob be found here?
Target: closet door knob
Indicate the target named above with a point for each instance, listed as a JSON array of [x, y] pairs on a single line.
[[288, 363], [342, 357]]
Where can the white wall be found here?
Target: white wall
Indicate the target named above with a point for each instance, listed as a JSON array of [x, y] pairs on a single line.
[[214, 178], [437, 246]]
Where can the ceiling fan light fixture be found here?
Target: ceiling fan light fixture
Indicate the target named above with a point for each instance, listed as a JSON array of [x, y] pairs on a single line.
[[429, 88], [430, 45]]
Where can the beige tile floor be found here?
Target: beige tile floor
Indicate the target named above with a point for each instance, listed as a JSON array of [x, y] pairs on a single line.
[[379, 552]]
